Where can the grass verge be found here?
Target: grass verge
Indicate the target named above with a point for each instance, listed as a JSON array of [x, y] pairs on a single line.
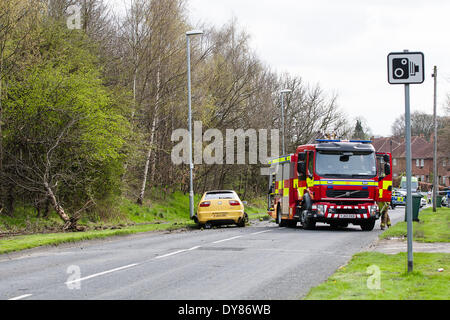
[[18, 243], [351, 281], [432, 227], [170, 214], [355, 280]]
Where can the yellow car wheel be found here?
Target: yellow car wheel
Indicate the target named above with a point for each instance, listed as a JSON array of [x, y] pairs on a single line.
[[242, 221], [208, 225]]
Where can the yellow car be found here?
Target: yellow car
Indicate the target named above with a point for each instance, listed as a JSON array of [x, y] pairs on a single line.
[[220, 207]]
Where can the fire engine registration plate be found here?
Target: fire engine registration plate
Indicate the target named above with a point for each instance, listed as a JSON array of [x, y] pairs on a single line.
[[347, 216]]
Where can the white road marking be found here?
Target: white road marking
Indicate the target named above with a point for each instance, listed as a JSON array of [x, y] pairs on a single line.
[[219, 241], [135, 264], [260, 232], [102, 273], [176, 252], [21, 297], [171, 254]]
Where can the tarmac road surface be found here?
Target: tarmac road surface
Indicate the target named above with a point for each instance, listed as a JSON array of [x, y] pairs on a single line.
[[262, 261]]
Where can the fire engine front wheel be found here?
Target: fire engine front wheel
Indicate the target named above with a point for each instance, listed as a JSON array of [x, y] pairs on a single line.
[[280, 222], [307, 222], [368, 225]]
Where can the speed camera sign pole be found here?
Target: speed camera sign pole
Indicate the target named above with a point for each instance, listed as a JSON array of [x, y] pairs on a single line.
[[409, 224], [435, 170], [408, 179], [406, 68]]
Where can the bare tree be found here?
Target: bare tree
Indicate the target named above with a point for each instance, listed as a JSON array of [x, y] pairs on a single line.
[[421, 124], [310, 111]]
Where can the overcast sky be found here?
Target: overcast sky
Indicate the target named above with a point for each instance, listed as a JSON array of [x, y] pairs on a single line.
[[343, 46]]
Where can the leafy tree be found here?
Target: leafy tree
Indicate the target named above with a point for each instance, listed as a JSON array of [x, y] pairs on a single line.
[[64, 132], [88, 114], [18, 20], [359, 133]]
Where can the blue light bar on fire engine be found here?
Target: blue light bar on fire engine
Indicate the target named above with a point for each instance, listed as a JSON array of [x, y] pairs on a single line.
[[325, 140], [357, 141]]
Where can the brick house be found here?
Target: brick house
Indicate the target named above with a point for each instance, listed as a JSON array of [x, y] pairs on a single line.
[[422, 160]]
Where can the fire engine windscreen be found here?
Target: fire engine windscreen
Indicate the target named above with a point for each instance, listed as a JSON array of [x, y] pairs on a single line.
[[346, 164]]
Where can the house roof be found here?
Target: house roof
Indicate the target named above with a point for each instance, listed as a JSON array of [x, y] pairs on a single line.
[[385, 144], [420, 147]]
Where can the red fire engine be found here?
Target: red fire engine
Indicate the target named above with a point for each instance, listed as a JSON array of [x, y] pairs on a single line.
[[333, 181]]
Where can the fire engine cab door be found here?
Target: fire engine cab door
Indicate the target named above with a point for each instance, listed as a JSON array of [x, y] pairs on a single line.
[[384, 193], [285, 188]]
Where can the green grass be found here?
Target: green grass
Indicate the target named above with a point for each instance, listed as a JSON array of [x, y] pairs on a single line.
[[162, 214], [18, 243], [259, 204], [350, 281], [433, 227], [175, 209], [425, 283], [25, 220]]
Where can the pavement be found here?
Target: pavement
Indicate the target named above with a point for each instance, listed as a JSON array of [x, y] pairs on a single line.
[[394, 246], [397, 245], [261, 261]]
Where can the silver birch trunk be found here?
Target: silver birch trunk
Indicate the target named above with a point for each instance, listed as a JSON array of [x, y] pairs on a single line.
[[59, 210], [140, 199]]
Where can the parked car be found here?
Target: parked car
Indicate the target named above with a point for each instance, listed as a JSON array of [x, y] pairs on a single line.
[[398, 198], [423, 202], [444, 202], [445, 198], [220, 207]]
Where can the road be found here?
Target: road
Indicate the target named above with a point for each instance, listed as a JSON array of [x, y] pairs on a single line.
[[262, 261]]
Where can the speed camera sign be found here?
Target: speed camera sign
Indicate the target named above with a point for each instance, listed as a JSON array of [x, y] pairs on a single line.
[[406, 67]]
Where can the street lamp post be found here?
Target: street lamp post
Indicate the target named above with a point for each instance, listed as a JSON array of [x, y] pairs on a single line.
[[191, 165], [435, 168], [282, 118]]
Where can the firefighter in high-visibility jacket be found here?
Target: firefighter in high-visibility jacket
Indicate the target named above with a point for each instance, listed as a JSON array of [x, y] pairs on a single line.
[[385, 220]]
